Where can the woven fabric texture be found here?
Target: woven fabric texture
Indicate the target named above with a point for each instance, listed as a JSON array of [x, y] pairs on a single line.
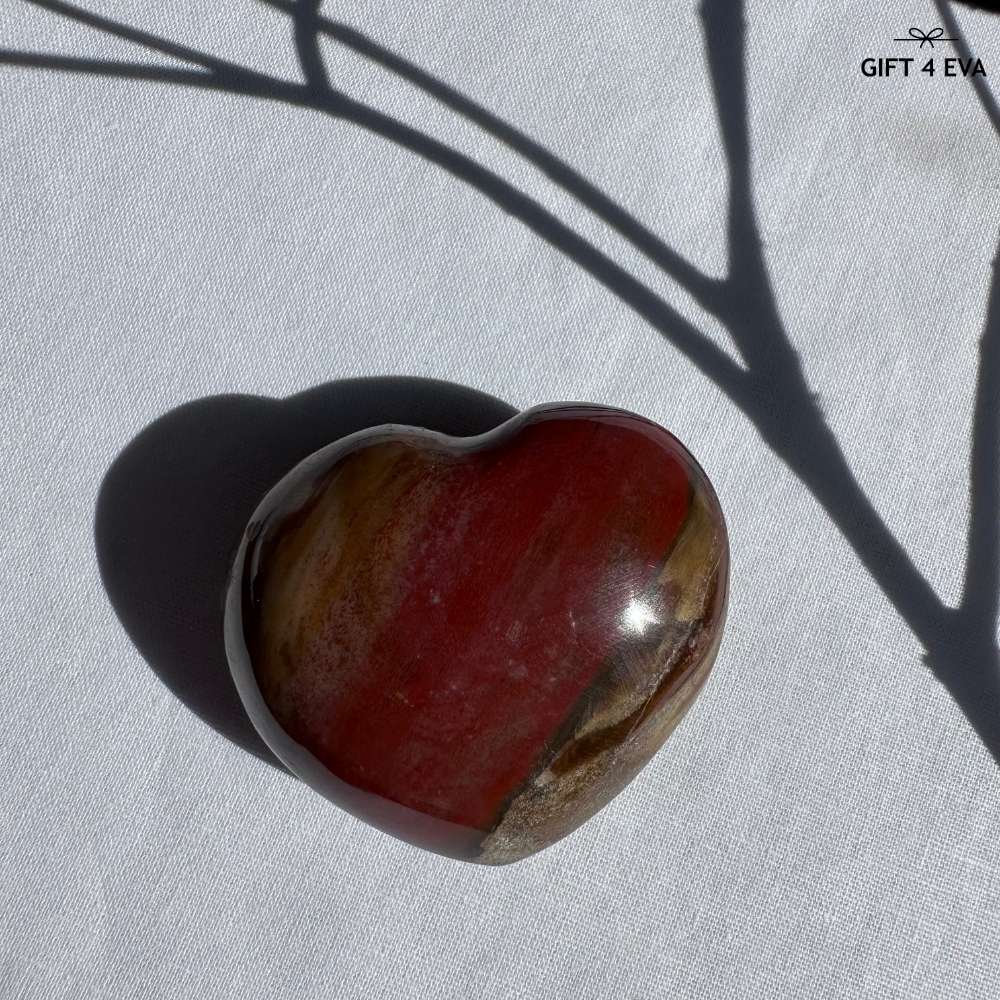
[[217, 215]]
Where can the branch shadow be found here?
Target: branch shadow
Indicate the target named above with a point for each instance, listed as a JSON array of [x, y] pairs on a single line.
[[960, 644], [768, 386], [979, 83], [173, 506]]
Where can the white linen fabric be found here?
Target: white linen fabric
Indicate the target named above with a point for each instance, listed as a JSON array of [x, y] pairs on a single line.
[[826, 820]]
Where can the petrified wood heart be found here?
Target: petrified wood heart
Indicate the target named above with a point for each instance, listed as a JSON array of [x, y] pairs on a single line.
[[475, 643]]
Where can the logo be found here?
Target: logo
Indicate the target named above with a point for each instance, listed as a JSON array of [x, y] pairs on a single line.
[[925, 37], [906, 65]]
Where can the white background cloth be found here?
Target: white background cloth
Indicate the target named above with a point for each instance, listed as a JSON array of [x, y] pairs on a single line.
[[825, 822]]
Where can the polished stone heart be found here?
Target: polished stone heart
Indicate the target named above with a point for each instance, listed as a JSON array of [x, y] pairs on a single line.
[[475, 643]]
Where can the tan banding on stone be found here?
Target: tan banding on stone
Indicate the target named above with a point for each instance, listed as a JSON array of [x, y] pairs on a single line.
[[617, 727]]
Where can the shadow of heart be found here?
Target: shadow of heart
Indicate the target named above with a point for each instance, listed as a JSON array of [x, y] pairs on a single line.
[[174, 504]]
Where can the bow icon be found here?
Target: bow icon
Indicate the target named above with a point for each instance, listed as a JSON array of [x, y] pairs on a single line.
[[926, 37]]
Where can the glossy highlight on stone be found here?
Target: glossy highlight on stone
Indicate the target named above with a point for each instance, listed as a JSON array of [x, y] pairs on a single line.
[[475, 643]]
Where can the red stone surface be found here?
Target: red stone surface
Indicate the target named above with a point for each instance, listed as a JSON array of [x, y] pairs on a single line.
[[439, 623]]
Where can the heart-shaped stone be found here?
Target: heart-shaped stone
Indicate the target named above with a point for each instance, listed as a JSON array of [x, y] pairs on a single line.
[[475, 643]]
